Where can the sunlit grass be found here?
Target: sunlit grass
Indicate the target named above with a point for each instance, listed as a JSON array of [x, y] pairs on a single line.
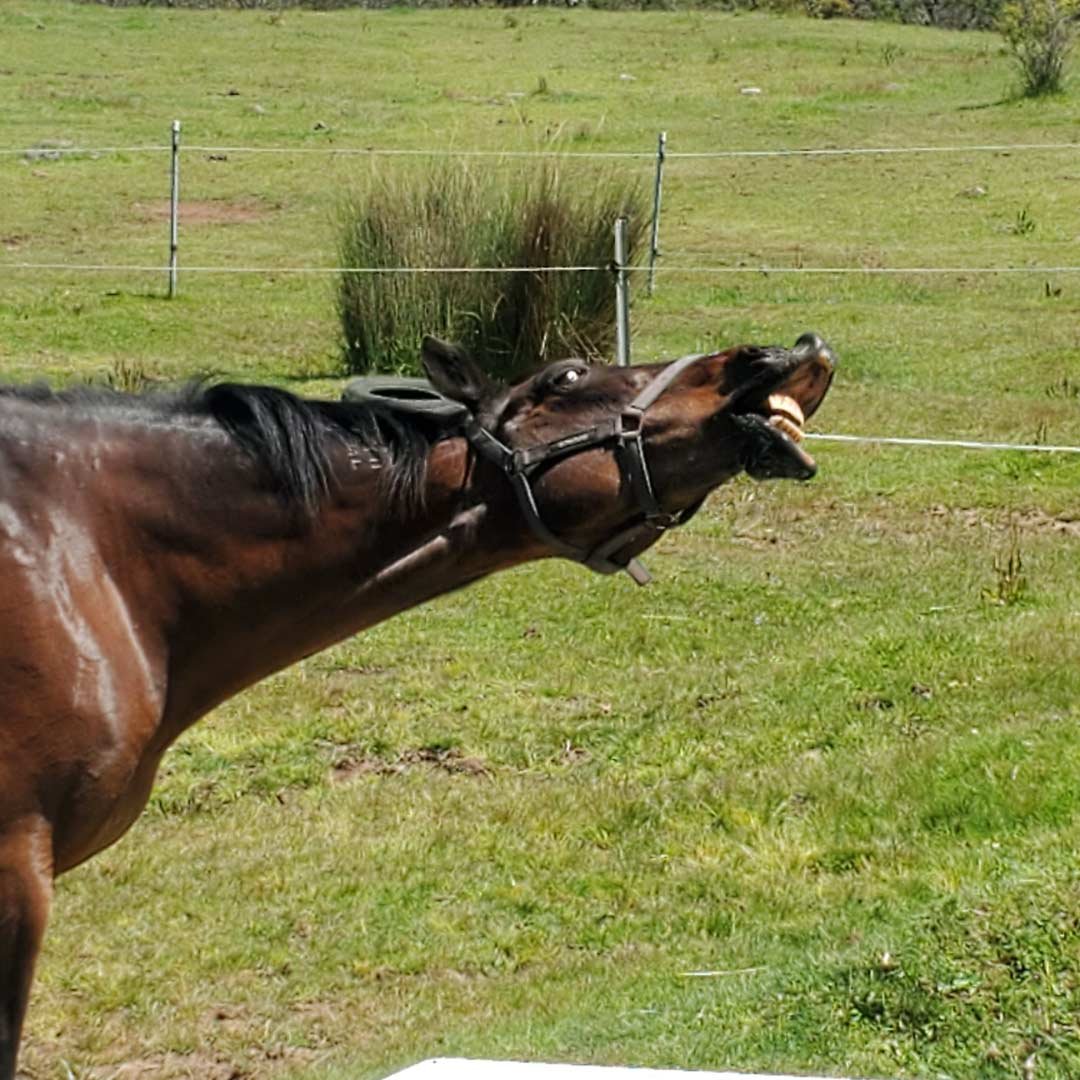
[[829, 756]]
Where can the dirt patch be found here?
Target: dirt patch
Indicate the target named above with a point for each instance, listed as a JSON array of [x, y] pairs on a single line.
[[1037, 521], [170, 1066], [347, 680], [205, 211], [349, 766], [205, 1065]]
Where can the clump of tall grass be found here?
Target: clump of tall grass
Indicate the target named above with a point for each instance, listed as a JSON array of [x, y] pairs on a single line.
[[459, 215], [1040, 35]]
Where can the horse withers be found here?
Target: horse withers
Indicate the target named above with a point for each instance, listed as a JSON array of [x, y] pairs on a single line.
[[159, 553]]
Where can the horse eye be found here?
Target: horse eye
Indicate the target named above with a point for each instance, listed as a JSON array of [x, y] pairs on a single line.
[[566, 379]]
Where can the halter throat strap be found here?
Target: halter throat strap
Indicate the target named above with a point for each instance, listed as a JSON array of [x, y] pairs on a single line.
[[623, 433]]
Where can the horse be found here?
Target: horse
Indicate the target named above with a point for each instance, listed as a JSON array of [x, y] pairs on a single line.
[[160, 552]]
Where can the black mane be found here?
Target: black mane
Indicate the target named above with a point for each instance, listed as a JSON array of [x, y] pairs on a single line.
[[289, 436]]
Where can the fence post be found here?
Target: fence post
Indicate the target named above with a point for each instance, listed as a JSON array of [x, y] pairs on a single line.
[[622, 297], [654, 242], [174, 208]]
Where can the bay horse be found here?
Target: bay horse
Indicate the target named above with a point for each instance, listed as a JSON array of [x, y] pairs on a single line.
[[159, 553]]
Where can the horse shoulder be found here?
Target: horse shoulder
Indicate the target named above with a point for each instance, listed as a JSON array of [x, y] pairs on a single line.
[[82, 684]]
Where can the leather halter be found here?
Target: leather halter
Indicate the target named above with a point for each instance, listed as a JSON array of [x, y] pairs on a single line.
[[623, 433]]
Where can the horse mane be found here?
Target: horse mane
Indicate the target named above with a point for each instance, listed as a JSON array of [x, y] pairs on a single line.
[[288, 436]]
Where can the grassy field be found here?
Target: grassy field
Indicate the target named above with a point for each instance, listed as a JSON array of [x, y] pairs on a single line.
[[830, 758]]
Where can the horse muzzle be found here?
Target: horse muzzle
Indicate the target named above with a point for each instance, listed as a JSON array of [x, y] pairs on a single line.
[[785, 390]]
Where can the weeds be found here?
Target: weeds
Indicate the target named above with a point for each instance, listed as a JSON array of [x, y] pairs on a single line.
[[1010, 582], [1024, 225], [1066, 387], [128, 375], [890, 53]]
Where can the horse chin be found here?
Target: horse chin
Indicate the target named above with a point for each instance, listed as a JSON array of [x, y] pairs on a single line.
[[769, 453]]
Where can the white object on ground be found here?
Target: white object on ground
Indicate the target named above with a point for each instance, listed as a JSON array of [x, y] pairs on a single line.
[[467, 1069]]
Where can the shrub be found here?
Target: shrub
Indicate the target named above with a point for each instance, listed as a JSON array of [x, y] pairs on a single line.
[[1040, 35], [950, 14], [462, 215], [828, 9]]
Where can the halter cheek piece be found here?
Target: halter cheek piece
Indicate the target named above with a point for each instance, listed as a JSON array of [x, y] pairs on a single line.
[[624, 434]]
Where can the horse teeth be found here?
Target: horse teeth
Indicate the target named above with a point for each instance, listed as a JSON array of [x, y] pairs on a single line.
[[791, 430], [787, 406]]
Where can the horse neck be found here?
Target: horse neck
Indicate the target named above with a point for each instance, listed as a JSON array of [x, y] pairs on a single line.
[[248, 587]]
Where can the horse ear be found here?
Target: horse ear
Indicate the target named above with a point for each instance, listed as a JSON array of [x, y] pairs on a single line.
[[454, 373]]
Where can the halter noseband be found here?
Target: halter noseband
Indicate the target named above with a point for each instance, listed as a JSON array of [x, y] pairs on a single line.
[[624, 433]]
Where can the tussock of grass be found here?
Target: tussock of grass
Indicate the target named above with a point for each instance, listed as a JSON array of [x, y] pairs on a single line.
[[462, 215]]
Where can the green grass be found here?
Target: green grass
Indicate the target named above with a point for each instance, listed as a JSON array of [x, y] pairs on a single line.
[[829, 756]]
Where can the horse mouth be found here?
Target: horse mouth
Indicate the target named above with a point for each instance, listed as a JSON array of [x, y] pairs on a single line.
[[772, 418]]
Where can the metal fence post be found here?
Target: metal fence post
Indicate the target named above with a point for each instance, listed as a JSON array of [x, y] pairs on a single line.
[[654, 242], [174, 208], [622, 297]]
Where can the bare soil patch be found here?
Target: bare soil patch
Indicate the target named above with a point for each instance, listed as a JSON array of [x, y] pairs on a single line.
[[1037, 521], [349, 766], [205, 211]]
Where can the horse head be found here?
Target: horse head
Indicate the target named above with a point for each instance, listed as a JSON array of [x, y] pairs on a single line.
[[604, 459]]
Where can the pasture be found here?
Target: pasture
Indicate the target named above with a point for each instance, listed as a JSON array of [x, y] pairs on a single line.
[[809, 802]]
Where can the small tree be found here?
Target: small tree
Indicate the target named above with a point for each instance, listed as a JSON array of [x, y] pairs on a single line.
[[1040, 35], [461, 216]]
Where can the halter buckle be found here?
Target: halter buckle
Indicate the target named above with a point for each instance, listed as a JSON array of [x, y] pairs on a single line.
[[633, 420]]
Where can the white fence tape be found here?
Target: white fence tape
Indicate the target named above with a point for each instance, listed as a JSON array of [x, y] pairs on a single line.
[[957, 444]]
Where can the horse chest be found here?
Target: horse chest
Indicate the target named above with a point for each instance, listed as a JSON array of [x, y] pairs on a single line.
[[83, 693]]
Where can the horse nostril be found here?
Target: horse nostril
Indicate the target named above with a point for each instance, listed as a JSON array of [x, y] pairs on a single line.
[[811, 343]]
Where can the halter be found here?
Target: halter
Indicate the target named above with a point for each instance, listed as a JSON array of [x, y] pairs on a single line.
[[624, 433]]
